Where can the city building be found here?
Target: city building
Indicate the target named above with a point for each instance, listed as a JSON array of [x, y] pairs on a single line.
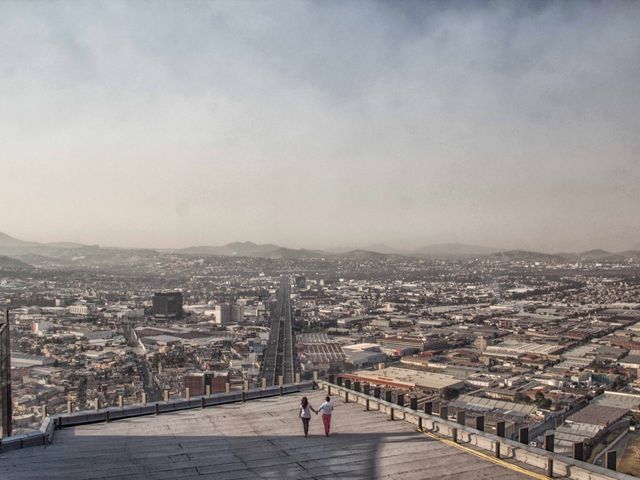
[[228, 313], [167, 304], [407, 379], [197, 382], [83, 309]]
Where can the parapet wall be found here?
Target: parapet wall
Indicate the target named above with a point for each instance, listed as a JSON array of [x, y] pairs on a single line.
[[50, 424], [509, 449]]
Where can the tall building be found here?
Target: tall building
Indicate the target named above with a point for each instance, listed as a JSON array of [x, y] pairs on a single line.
[[5, 377], [228, 313], [167, 304]]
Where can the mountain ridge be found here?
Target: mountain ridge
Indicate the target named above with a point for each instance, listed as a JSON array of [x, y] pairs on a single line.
[[14, 247]]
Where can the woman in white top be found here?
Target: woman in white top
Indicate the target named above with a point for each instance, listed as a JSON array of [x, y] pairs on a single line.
[[305, 414], [327, 410]]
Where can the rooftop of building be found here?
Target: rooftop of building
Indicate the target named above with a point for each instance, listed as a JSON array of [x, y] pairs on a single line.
[[412, 378], [257, 439]]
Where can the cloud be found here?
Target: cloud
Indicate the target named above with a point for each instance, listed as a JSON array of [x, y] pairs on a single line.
[[318, 123]]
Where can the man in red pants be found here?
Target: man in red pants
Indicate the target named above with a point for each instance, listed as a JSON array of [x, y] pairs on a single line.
[[327, 409]]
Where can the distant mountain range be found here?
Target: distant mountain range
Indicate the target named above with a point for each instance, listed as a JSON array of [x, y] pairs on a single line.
[[7, 241], [67, 253], [439, 249], [12, 264], [250, 249]]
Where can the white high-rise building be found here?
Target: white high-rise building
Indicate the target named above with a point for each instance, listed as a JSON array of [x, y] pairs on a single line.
[[226, 314]]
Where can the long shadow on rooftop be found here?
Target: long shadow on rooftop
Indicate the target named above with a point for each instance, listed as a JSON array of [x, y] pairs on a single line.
[[87, 454]]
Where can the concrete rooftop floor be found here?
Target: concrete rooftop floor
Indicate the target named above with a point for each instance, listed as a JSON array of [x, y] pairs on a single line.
[[258, 439]]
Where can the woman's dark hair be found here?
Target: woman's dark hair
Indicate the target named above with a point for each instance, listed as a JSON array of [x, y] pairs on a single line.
[[328, 399], [304, 402]]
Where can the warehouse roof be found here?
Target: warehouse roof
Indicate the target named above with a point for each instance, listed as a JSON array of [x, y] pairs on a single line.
[[411, 378]]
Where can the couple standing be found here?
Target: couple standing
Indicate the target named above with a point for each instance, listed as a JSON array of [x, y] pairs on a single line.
[[305, 414]]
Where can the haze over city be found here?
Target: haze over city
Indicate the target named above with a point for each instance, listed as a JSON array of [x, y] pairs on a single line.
[[153, 125], [416, 219]]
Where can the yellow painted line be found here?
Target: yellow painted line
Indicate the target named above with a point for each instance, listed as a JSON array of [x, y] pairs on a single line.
[[485, 456]]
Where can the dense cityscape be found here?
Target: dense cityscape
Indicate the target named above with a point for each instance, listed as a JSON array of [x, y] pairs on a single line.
[[547, 342], [319, 240]]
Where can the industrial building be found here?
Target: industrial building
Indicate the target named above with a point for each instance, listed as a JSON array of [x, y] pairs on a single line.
[[408, 379]]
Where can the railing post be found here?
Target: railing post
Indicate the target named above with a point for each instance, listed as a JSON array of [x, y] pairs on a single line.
[[454, 434], [550, 467], [202, 405], [391, 414], [367, 404], [578, 451], [428, 408], [548, 441], [500, 428], [497, 449], [157, 408], [107, 416], [480, 423], [523, 435], [610, 461], [346, 396], [460, 417], [420, 423], [444, 412]]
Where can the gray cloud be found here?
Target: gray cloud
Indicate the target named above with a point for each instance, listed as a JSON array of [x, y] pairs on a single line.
[[320, 123]]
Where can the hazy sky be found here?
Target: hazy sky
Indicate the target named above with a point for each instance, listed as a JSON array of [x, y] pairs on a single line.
[[319, 124]]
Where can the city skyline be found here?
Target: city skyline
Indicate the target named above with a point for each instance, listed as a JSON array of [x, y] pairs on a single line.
[[321, 125]]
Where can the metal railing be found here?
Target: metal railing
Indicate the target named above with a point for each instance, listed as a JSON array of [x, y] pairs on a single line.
[[51, 423], [500, 447]]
